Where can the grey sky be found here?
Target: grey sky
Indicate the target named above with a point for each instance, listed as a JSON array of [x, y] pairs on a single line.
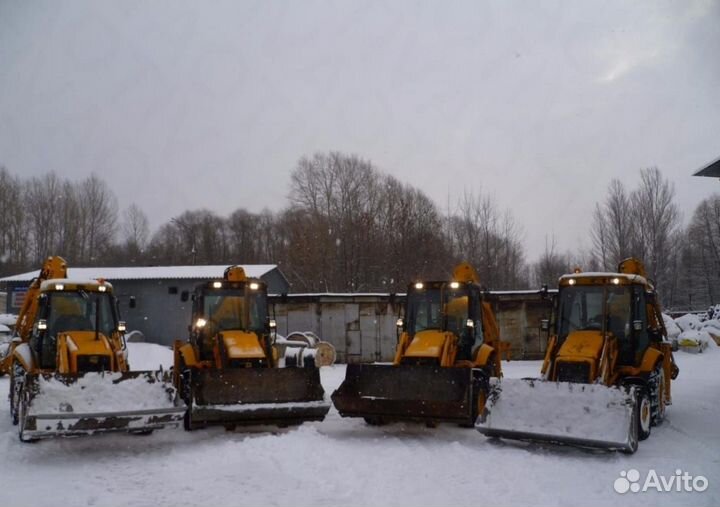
[[182, 105]]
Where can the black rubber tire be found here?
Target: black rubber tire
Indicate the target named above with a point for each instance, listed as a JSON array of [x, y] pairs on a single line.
[[187, 421], [656, 385], [374, 421], [16, 391]]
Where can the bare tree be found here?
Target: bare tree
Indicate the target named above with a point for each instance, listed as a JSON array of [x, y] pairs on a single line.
[[13, 245], [551, 265], [657, 220], [98, 213], [488, 238]]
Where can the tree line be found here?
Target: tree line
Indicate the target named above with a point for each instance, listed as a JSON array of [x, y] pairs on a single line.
[[349, 227]]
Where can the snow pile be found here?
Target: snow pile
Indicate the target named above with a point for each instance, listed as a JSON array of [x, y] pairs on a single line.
[[688, 322], [149, 356], [672, 328], [101, 392], [561, 410], [713, 313], [712, 327], [694, 340], [698, 333], [8, 319]]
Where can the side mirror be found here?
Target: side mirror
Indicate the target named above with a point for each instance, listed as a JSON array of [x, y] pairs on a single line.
[[121, 326], [637, 325], [133, 302], [184, 296], [544, 325], [42, 324]]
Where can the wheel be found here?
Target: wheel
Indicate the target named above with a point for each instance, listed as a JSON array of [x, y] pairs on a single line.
[[22, 407], [656, 384], [187, 420], [644, 414], [374, 421], [16, 387]]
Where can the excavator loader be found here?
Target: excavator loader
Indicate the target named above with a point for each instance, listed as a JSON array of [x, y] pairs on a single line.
[[448, 349], [605, 380], [231, 371], [69, 372]]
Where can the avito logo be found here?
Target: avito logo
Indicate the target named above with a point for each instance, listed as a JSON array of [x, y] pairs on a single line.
[[681, 481]]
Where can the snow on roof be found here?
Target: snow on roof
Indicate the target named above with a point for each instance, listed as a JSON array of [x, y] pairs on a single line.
[[150, 272]]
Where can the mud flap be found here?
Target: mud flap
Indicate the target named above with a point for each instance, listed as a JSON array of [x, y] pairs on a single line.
[[248, 396], [583, 415], [410, 393], [54, 405]]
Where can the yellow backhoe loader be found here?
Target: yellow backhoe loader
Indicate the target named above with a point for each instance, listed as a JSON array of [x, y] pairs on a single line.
[[230, 372], [448, 349], [69, 368], [606, 377]]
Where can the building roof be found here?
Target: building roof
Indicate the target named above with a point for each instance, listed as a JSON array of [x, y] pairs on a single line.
[[712, 170], [150, 272]]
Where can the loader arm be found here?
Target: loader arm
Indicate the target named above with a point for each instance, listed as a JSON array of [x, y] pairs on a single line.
[[54, 267]]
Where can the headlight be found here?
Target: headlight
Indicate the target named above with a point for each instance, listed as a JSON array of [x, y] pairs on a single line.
[[200, 322]]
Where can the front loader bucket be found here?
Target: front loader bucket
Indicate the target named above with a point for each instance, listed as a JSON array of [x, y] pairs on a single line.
[[583, 415], [248, 396], [409, 393], [55, 405]]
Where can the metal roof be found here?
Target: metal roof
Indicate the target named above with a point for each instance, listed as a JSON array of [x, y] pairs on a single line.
[[150, 272], [712, 170]]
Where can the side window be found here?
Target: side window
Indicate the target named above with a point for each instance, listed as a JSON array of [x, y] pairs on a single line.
[[640, 314]]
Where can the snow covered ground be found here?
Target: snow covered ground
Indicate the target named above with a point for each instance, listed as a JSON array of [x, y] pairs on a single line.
[[344, 462]]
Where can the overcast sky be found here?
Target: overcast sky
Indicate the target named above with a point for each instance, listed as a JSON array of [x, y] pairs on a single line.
[[185, 105]]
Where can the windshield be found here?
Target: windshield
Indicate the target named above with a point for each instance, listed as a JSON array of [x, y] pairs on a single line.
[[595, 308], [439, 308], [225, 310], [78, 311]]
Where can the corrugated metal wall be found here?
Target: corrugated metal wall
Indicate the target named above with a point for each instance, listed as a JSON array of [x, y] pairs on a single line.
[[362, 327]]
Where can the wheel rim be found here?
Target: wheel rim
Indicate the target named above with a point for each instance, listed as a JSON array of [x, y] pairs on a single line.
[[645, 414]]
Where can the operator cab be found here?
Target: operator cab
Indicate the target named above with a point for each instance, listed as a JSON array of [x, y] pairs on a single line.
[[71, 307], [228, 306], [613, 307], [452, 307]]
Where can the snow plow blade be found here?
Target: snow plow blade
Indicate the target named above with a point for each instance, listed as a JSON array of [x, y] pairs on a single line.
[[249, 396], [58, 405], [582, 415], [409, 393]]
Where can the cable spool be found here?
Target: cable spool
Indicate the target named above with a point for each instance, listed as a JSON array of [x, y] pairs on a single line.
[[306, 350]]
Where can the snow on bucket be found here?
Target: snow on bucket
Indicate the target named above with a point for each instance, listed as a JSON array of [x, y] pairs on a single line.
[[587, 415]]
